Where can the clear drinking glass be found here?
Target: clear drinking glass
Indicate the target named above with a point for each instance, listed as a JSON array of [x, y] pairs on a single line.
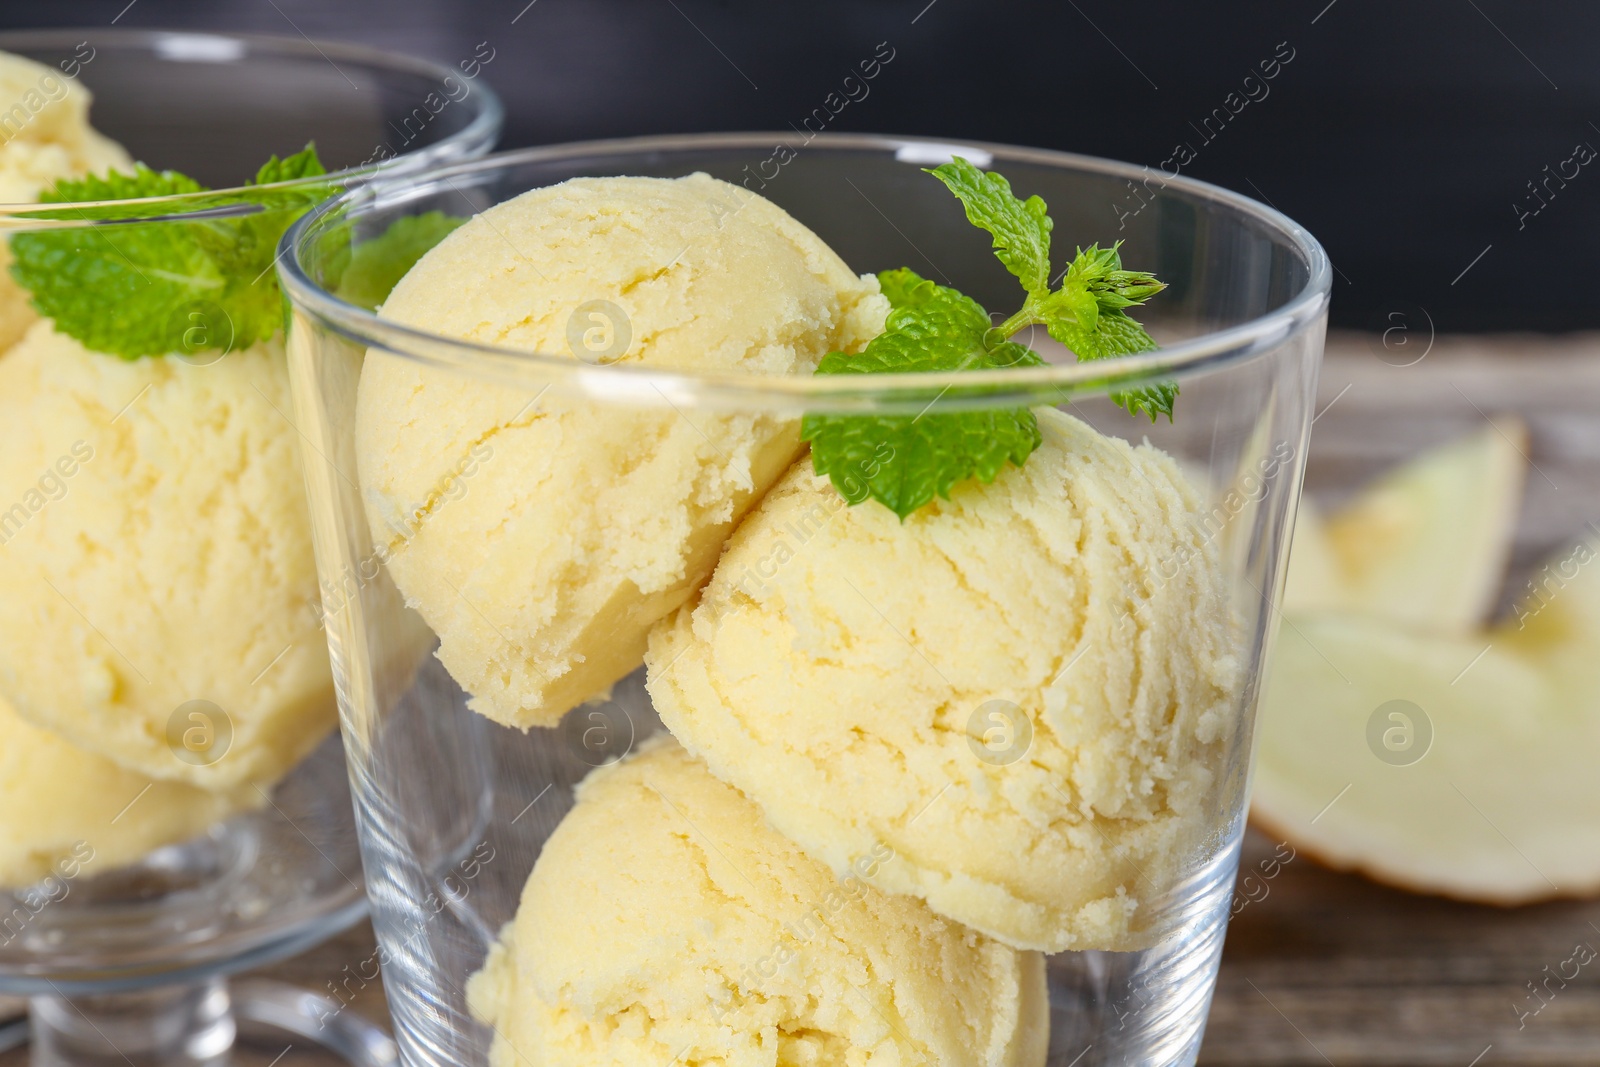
[[454, 810], [124, 958]]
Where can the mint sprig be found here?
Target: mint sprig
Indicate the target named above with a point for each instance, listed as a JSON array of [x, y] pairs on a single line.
[[370, 270], [1020, 228], [904, 461], [1085, 312], [139, 288]]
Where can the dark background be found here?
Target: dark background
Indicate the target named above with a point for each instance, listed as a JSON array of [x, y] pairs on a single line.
[[1404, 135]]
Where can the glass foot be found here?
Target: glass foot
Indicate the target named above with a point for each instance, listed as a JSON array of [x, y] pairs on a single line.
[[180, 1026], [262, 886], [194, 1026]]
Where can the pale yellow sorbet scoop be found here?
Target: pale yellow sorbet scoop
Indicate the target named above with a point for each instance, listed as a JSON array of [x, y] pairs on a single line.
[[539, 534], [156, 562], [1022, 690], [666, 923], [71, 813]]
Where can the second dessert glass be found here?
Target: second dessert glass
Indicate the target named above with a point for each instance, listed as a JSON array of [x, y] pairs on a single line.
[[454, 810], [122, 956]]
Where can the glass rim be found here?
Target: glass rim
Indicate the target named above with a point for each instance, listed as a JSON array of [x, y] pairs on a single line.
[[1052, 383], [222, 202]]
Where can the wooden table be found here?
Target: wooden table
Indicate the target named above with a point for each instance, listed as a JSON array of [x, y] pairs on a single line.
[[1331, 969], [1328, 968]]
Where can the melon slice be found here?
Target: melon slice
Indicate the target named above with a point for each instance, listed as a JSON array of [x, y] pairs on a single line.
[[1457, 765], [1426, 545], [1315, 583], [1503, 805], [1557, 622]]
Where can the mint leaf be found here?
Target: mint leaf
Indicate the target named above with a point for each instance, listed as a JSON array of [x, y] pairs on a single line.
[[303, 164], [1020, 228], [88, 279], [135, 288], [904, 461], [1115, 334], [1086, 314], [245, 249], [933, 328], [117, 186], [903, 287], [374, 267]]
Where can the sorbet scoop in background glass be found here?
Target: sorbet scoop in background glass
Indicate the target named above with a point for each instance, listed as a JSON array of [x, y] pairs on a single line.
[[172, 808], [968, 787]]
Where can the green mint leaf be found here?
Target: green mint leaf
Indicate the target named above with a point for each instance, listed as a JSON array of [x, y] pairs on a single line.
[[1076, 307], [1095, 280], [904, 461], [933, 328], [137, 289], [1125, 288], [117, 186], [1115, 334], [89, 280], [245, 248], [303, 164], [904, 287], [1152, 400], [1100, 270], [1122, 336], [1086, 314], [1020, 228], [374, 267]]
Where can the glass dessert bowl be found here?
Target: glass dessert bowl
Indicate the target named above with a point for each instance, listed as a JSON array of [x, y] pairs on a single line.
[[710, 762], [172, 807]]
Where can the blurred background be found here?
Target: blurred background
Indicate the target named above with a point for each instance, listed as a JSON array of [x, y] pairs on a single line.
[[1437, 147]]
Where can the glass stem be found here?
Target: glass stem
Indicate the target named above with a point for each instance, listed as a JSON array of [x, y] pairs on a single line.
[[168, 1026]]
